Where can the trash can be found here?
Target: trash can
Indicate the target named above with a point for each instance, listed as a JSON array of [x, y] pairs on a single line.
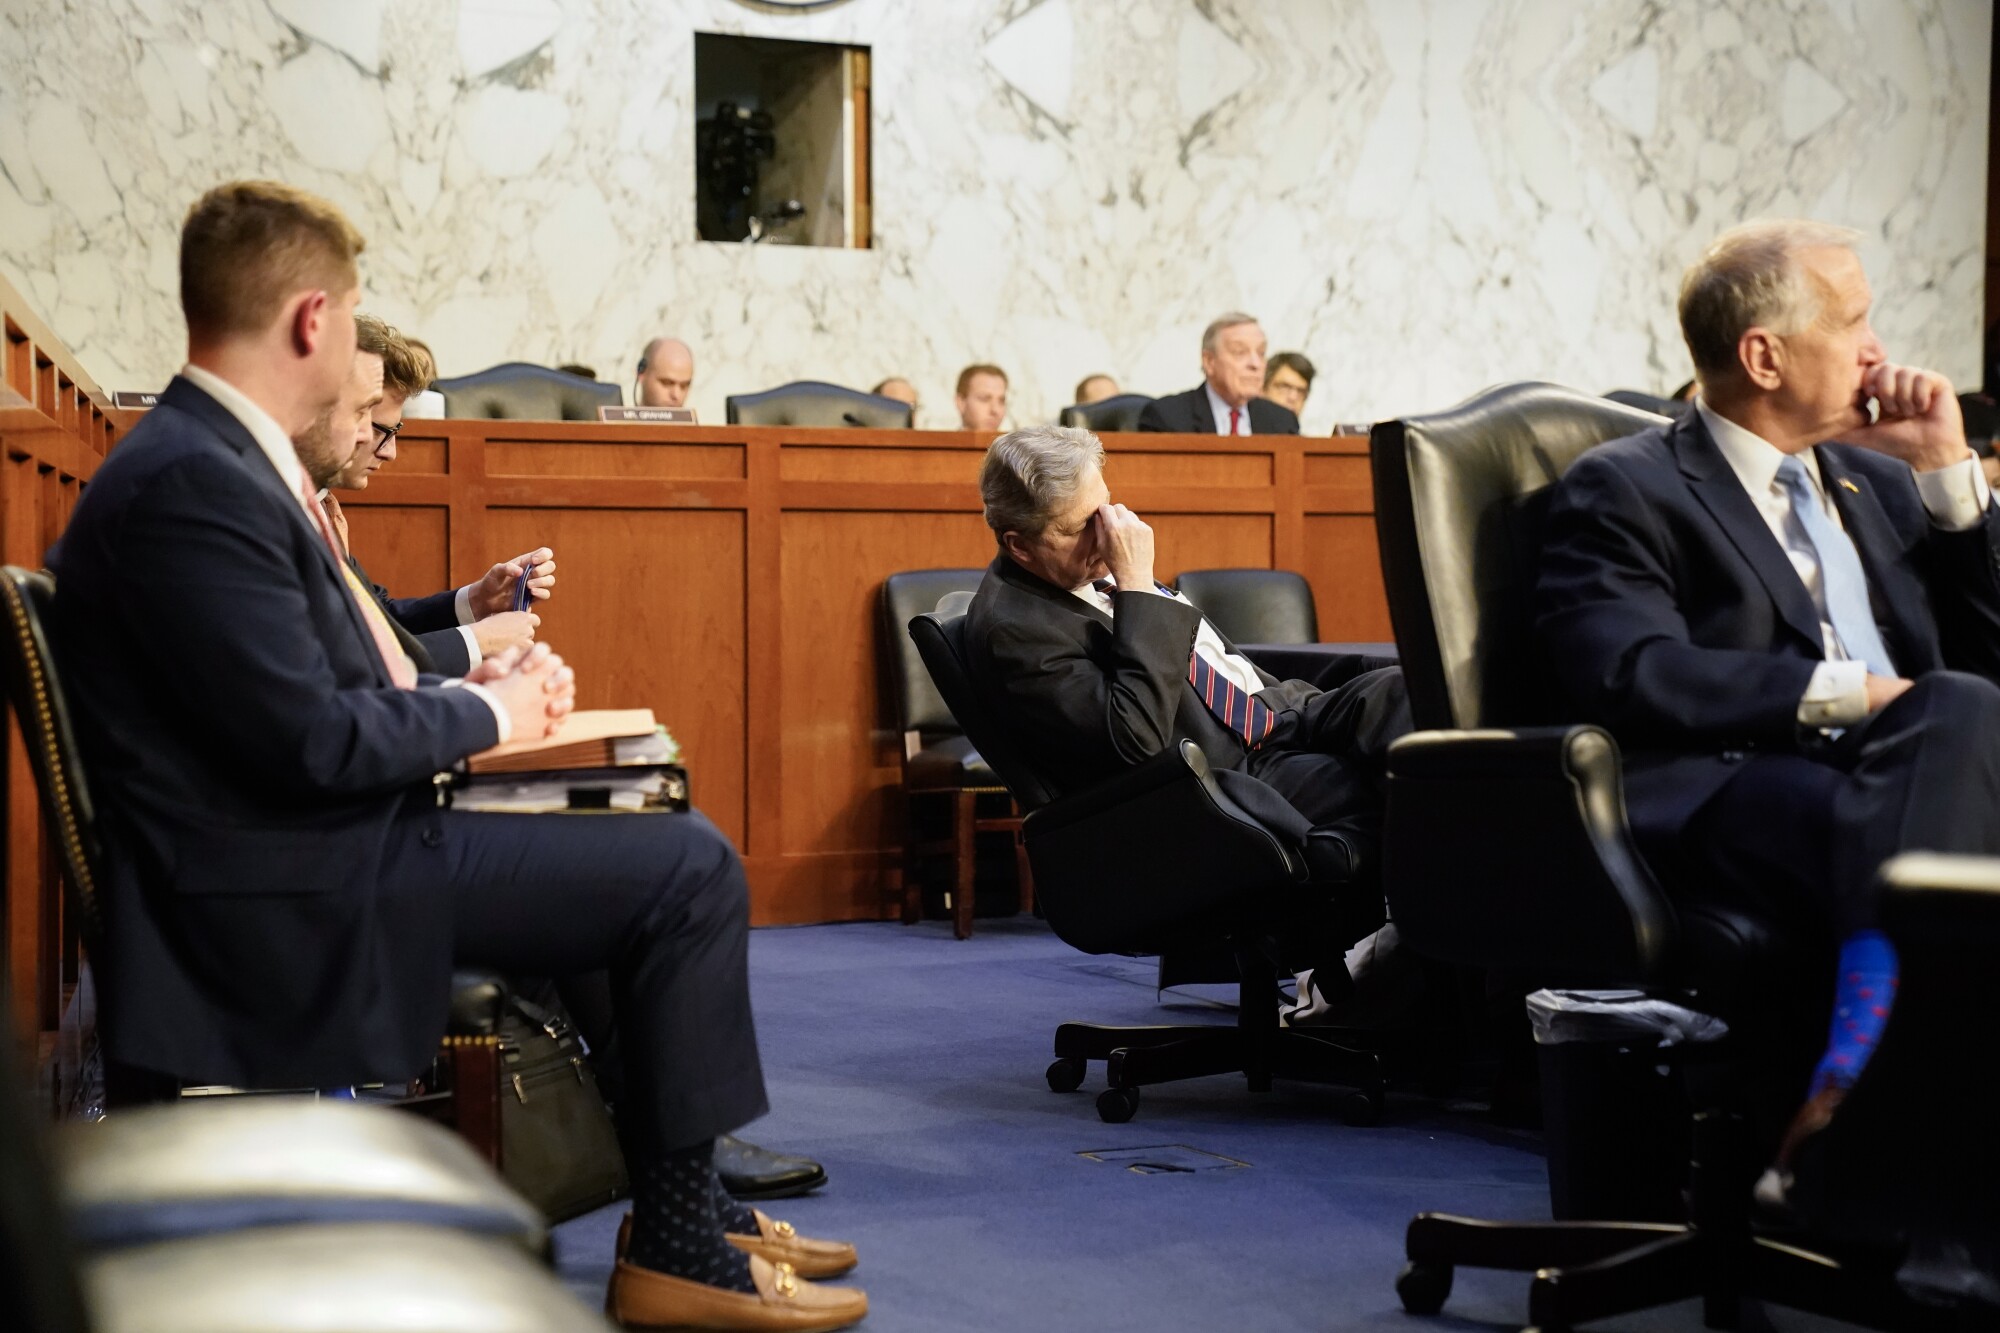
[[1615, 1114]]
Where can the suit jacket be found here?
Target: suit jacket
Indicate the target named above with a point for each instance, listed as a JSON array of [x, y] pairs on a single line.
[[254, 770], [1673, 617], [1091, 695], [1190, 414], [435, 651]]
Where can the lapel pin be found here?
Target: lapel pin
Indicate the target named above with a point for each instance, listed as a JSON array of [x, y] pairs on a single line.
[[1850, 485]]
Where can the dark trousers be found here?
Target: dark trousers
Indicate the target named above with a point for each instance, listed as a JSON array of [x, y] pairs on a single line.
[[1801, 837], [659, 903], [1329, 759]]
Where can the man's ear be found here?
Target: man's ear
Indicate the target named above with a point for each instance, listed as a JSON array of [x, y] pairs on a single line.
[[308, 322], [1014, 546], [1761, 354]]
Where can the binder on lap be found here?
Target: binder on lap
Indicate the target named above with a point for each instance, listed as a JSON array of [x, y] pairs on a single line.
[[603, 760]]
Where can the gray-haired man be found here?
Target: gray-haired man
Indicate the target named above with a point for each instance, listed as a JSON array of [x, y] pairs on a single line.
[[1100, 668]]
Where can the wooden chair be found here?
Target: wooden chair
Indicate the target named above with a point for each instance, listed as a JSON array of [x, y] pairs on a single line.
[[939, 763]]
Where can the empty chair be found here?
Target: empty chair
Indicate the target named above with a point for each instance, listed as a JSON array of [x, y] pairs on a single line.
[[519, 391], [1253, 605], [1118, 412], [816, 403]]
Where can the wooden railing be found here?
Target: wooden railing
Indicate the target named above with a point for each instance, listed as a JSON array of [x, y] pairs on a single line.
[[55, 424]]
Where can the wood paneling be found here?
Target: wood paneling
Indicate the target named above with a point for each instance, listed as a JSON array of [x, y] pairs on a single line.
[[948, 467], [1209, 541], [1223, 466], [638, 459], [405, 548], [1346, 575]]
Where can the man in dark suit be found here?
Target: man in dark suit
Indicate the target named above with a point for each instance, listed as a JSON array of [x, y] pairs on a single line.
[[1230, 400], [285, 896], [1794, 641], [1099, 668], [450, 631]]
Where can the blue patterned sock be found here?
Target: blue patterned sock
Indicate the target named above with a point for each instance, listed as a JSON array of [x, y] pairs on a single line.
[[1863, 995], [675, 1229]]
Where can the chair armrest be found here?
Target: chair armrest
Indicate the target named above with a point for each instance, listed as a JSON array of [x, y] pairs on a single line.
[[1137, 861], [1510, 849], [1326, 666]]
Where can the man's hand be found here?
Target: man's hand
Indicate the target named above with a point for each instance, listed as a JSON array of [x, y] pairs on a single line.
[[1883, 690], [1126, 544], [509, 629], [534, 686], [494, 593], [1917, 418]]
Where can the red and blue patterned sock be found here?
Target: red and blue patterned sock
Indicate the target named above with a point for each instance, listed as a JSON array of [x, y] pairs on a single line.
[[1862, 998]]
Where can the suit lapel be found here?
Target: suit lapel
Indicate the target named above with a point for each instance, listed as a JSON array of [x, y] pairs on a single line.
[[1204, 418], [1014, 576], [1721, 492], [189, 398], [1890, 596]]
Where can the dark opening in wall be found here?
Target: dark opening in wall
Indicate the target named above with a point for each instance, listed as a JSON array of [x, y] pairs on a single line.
[[781, 141]]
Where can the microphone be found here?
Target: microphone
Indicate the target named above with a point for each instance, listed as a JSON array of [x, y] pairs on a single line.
[[849, 419]]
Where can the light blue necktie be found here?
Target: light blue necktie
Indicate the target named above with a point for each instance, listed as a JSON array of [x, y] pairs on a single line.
[[1841, 577]]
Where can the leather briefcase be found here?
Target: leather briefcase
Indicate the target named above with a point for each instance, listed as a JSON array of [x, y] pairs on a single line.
[[557, 1143]]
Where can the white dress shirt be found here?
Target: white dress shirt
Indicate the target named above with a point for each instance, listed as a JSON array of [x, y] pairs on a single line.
[[1222, 410], [1235, 668], [1955, 497], [277, 447]]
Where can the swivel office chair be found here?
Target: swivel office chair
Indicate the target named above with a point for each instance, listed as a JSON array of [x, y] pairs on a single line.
[[1160, 857], [1120, 412], [1507, 847], [816, 403], [520, 391], [1253, 605]]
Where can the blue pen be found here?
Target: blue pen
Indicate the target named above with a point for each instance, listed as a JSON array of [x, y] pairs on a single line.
[[521, 595]]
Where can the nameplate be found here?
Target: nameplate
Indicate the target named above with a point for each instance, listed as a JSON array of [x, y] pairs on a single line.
[[134, 398], [649, 416]]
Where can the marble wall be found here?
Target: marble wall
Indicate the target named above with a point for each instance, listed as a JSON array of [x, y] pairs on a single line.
[[1425, 195]]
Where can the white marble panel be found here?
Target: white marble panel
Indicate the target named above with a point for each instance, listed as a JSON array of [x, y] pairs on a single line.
[[1426, 196]]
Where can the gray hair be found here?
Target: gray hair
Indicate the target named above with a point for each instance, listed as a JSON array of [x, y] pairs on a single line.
[[1031, 473], [1221, 322], [1750, 277]]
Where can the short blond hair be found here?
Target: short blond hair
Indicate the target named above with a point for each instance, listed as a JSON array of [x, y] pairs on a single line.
[[247, 247], [1750, 277], [406, 371]]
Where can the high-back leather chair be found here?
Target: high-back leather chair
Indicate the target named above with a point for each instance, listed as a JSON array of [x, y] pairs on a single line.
[[938, 760], [1253, 605], [1158, 858], [1506, 845], [520, 391], [1118, 412], [817, 403]]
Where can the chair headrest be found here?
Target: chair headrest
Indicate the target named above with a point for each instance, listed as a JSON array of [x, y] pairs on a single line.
[[817, 403], [1253, 605], [918, 705], [1461, 497], [1118, 412], [520, 391], [940, 640]]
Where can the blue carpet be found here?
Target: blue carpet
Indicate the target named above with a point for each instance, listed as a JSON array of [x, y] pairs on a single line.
[[911, 1065]]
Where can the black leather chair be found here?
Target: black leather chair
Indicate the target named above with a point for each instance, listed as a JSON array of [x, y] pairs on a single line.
[[1507, 847], [1118, 412], [1253, 605], [938, 761], [1647, 402], [1157, 859], [816, 403], [519, 391]]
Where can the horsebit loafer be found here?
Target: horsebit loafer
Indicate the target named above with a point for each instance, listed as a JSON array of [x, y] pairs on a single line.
[[780, 1243], [641, 1298]]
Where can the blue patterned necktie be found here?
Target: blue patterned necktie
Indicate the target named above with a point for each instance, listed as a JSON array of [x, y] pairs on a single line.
[[1841, 577]]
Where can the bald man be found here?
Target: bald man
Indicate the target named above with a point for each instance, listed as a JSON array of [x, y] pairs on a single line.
[[666, 373]]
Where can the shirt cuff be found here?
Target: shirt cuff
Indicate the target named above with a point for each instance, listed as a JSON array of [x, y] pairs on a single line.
[[472, 652], [1836, 696], [500, 718], [462, 604], [1955, 497]]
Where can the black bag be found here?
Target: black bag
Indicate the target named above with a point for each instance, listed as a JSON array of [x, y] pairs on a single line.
[[557, 1143]]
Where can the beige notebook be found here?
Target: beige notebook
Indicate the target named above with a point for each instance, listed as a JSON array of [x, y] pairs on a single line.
[[588, 739]]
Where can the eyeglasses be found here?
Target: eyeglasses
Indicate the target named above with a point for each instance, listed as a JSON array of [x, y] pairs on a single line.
[[384, 434]]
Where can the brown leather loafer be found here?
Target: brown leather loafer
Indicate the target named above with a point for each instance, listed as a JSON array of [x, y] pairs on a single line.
[[781, 1243], [641, 1298]]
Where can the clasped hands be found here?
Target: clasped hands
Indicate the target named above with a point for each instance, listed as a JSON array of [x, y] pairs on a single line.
[[533, 684], [496, 624]]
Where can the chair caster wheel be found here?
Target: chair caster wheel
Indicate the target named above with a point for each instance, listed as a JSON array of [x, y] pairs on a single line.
[[1066, 1075], [1361, 1109], [1423, 1287], [1117, 1105]]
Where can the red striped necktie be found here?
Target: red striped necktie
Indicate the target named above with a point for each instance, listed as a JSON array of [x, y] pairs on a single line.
[[1242, 712]]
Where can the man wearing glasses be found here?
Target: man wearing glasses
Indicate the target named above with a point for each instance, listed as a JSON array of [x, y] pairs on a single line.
[[454, 629]]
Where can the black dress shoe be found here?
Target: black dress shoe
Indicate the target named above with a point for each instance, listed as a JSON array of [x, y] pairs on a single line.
[[750, 1172]]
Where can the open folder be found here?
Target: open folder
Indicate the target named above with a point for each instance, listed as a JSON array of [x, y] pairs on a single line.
[[602, 759]]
